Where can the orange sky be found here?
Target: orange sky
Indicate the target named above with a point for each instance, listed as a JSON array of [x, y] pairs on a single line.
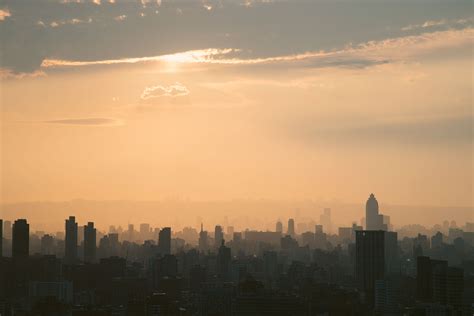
[[390, 115]]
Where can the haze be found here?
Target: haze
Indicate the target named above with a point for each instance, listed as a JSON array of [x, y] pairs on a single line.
[[235, 100]]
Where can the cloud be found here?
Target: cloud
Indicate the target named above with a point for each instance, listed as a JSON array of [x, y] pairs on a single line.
[[73, 21], [175, 90], [8, 74], [93, 121], [4, 13], [120, 17], [365, 54], [434, 23], [198, 56]]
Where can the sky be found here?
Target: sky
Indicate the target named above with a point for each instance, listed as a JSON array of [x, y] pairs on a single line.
[[221, 100]]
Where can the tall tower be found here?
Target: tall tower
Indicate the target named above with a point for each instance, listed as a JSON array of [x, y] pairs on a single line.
[[1, 238], [70, 255], [325, 220], [291, 227], [373, 220], [164, 241], [203, 240], [376, 257], [89, 242], [279, 227], [218, 236], [20, 239]]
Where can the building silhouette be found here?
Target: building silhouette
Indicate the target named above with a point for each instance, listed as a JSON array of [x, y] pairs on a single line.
[[373, 220], [7, 229], [144, 231], [164, 241], [437, 283], [218, 236], [47, 244], [325, 220], [70, 254], [20, 239], [376, 258], [291, 227], [89, 243], [279, 227], [223, 262], [1, 238], [203, 240]]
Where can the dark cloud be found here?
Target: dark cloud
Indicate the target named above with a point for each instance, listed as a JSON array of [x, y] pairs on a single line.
[[263, 29]]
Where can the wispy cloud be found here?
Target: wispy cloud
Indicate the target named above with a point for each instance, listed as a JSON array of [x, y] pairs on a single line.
[[63, 22], [372, 52], [4, 13], [120, 17], [174, 90], [434, 23], [198, 56], [92, 121]]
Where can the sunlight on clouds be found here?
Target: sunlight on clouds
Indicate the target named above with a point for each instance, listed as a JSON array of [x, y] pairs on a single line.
[[175, 90], [375, 51], [4, 13]]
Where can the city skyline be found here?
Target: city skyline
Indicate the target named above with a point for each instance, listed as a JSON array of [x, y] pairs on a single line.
[[236, 158], [307, 100], [146, 270]]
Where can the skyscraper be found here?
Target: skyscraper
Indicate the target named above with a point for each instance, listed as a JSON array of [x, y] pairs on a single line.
[[20, 239], [279, 227], [223, 261], [203, 245], [144, 231], [7, 230], [376, 258], [218, 236], [131, 232], [373, 220], [1, 238], [47, 245], [70, 255], [291, 227], [325, 220], [89, 243], [439, 283], [164, 241]]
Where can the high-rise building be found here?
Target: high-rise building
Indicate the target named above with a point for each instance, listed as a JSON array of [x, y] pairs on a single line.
[[20, 239], [291, 227], [325, 220], [223, 261], [437, 240], [279, 227], [218, 236], [131, 232], [7, 230], [164, 240], [90, 243], [47, 245], [438, 283], [230, 231], [373, 220], [144, 231], [70, 255], [203, 243], [1, 238], [376, 258], [318, 229]]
